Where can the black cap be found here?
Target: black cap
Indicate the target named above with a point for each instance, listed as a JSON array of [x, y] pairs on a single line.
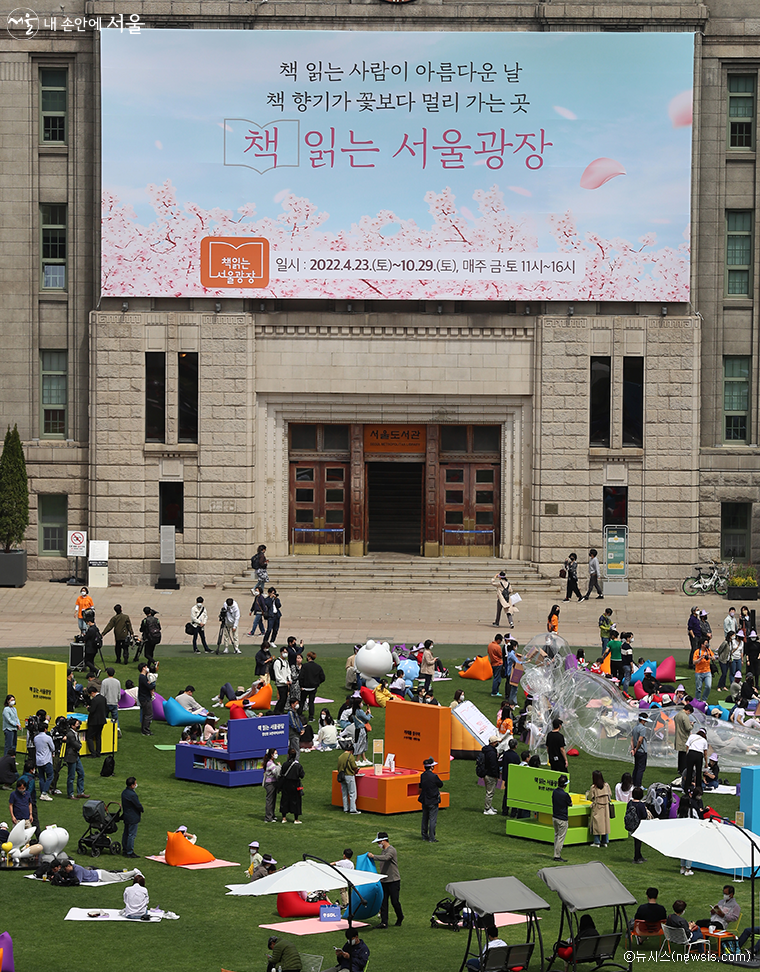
[[562, 781]]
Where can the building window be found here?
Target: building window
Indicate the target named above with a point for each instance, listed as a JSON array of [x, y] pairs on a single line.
[[52, 516], [53, 219], [172, 505], [53, 105], [735, 519], [741, 111], [738, 252], [599, 404], [54, 392], [735, 399], [155, 396], [187, 371], [633, 402], [319, 438], [615, 506], [482, 440]]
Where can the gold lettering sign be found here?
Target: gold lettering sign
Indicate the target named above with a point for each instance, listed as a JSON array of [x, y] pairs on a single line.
[[395, 438]]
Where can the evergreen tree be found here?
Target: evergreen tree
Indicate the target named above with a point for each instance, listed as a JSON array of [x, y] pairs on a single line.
[[14, 491]]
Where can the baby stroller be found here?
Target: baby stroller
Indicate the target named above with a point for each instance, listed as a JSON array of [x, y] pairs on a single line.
[[101, 821], [447, 914]]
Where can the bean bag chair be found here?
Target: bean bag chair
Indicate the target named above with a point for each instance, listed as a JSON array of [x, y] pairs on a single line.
[[674, 804], [368, 696], [605, 666], [641, 671], [698, 704], [571, 663], [638, 691], [372, 893], [158, 708], [411, 670], [177, 715], [126, 701], [290, 904], [666, 670], [237, 712], [6, 947], [480, 670], [180, 851], [261, 700], [573, 752]]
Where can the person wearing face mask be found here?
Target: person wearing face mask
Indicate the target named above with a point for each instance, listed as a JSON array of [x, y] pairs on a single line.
[[281, 674], [83, 603], [354, 955], [295, 727], [11, 724], [271, 775]]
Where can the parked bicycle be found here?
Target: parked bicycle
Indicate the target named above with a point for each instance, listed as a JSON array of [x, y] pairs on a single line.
[[714, 577]]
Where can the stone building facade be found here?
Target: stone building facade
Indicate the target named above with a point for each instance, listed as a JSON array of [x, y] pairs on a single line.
[[499, 395]]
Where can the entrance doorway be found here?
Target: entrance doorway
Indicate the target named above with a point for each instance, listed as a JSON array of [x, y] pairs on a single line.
[[394, 507]]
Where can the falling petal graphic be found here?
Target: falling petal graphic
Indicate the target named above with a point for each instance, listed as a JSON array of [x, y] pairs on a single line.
[[281, 195], [600, 171], [680, 110], [662, 220], [566, 113], [225, 127], [466, 213], [158, 144], [520, 191]]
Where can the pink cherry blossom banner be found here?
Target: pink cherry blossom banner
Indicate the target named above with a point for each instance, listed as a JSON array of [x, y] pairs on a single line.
[[392, 165]]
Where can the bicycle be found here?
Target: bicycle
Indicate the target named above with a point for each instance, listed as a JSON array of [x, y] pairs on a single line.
[[716, 580]]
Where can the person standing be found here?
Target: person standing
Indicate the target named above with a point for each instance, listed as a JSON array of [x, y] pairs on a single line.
[[19, 804], [705, 625], [388, 861], [199, 620], [639, 749], [231, 615], [291, 790], [593, 575], [11, 724], [73, 762], [145, 690], [44, 751], [347, 766], [259, 563], [626, 659], [295, 727], [503, 594], [555, 747], [273, 616], [110, 689], [496, 657], [83, 603], [571, 566], [694, 630], [282, 681], [121, 625], [271, 775], [605, 624], [730, 624], [696, 748], [683, 728], [510, 758], [561, 803], [264, 663], [93, 642], [703, 658], [97, 717], [257, 611], [312, 676], [132, 811], [600, 796], [150, 629], [641, 811], [510, 660], [615, 650], [491, 773], [427, 665], [430, 798], [552, 620], [752, 654]]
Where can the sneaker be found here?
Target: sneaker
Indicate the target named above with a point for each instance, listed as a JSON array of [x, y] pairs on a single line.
[[225, 652], [495, 624], [298, 821], [688, 872], [600, 597], [58, 792], [46, 797], [238, 651], [683, 870], [350, 811], [196, 651], [563, 859], [272, 644]]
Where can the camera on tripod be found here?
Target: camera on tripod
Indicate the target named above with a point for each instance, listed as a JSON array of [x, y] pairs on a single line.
[[223, 614]]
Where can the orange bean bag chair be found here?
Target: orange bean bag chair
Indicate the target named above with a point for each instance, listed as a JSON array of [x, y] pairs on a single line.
[[261, 700], [480, 669], [290, 904], [180, 851], [666, 670], [605, 666], [368, 696]]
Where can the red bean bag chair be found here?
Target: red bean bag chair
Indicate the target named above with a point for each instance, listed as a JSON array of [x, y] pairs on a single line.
[[368, 696], [480, 670], [290, 904], [237, 712], [180, 851], [666, 670]]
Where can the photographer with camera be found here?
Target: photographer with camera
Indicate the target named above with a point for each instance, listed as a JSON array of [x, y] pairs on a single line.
[[43, 748], [229, 618], [93, 642], [273, 616], [150, 629], [121, 626]]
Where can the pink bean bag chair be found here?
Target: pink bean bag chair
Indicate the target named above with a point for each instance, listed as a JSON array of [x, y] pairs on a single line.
[[180, 851], [368, 696], [480, 670], [638, 691], [666, 670], [290, 904], [126, 701]]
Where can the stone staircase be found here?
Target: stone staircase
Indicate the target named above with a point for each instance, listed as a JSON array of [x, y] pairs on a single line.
[[396, 572]]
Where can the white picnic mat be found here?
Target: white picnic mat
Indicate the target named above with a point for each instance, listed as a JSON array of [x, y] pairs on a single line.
[[105, 914]]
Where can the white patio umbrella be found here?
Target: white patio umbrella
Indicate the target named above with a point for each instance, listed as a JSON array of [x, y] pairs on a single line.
[[307, 876], [709, 842]]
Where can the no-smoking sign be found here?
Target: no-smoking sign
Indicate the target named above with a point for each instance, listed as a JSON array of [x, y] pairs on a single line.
[[77, 543]]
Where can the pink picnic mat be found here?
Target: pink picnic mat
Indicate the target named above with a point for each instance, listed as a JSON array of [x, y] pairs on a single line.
[[160, 859], [311, 926]]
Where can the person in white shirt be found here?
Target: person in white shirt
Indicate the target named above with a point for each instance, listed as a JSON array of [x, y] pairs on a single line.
[[696, 748], [281, 674], [187, 701], [729, 622], [136, 898], [231, 623], [493, 941], [198, 619], [110, 689], [327, 737], [44, 750]]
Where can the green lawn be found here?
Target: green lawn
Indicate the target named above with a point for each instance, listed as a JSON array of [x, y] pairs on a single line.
[[215, 931]]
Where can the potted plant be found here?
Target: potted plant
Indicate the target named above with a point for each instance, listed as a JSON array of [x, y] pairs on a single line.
[[742, 585], [14, 511]]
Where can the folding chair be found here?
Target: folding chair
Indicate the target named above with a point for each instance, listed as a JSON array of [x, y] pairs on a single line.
[[311, 963], [724, 936], [679, 937], [646, 929]]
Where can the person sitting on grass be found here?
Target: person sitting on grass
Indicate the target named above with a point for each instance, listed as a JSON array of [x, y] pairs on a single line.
[[136, 899]]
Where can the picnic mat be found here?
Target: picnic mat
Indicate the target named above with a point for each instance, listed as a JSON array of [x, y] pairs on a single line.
[[164, 748], [160, 859], [311, 926], [727, 790], [105, 914], [84, 884]]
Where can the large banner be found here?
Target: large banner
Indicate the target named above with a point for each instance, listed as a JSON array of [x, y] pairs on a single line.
[[379, 165]]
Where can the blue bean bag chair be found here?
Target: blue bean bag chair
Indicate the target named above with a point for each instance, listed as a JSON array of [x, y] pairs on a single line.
[[372, 893], [177, 715], [641, 670]]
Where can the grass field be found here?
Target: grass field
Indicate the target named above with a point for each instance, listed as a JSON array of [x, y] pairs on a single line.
[[215, 931]]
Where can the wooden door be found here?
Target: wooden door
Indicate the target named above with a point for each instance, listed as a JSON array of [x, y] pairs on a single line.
[[469, 498], [318, 506]]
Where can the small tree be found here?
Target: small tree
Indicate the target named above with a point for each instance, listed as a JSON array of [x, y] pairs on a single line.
[[14, 491]]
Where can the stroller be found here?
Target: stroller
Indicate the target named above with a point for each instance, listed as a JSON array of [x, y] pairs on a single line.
[[447, 914], [101, 821]]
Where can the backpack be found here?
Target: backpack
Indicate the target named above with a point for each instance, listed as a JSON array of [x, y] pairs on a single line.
[[98, 641], [109, 765], [480, 765], [632, 819], [153, 629], [255, 561]]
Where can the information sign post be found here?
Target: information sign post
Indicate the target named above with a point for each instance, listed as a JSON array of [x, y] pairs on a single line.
[[616, 560]]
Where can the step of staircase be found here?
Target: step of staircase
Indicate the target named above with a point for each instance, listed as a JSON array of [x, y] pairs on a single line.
[[445, 574]]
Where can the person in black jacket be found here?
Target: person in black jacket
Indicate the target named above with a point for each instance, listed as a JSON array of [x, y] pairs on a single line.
[[510, 758], [93, 642], [312, 676], [132, 811], [264, 660], [429, 797], [145, 699], [97, 717], [121, 626], [492, 773]]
